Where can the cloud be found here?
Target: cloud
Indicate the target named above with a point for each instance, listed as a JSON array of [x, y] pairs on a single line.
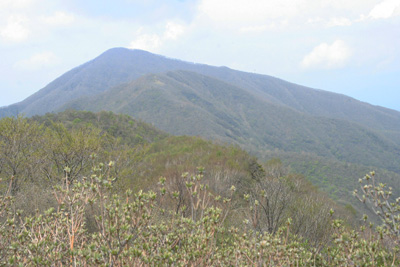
[[152, 42], [385, 9], [37, 61], [15, 29], [173, 30], [327, 56], [257, 29], [59, 19], [21, 20], [271, 26], [339, 22]]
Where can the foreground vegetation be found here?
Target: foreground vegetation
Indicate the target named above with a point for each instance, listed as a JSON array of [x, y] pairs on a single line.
[[136, 229], [60, 204]]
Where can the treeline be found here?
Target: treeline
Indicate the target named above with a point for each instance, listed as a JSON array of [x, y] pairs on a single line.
[[61, 204]]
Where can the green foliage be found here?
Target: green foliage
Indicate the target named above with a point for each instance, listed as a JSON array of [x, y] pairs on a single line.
[[379, 197], [20, 143], [71, 148], [34, 152], [123, 127], [136, 229], [77, 211]]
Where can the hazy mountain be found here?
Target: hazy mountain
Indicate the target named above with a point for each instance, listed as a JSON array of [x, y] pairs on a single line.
[[120, 65]]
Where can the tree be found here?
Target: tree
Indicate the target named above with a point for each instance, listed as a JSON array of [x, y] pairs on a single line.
[[70, 148], [20, 142], [277, 195]]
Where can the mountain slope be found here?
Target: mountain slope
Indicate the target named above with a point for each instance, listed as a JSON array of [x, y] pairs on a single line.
[[113, 67], [120, 65], [187, 103]]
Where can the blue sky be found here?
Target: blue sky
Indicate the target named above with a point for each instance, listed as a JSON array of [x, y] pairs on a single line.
[[348, 47]]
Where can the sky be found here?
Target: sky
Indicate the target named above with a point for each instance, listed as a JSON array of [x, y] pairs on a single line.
[[348, 47]]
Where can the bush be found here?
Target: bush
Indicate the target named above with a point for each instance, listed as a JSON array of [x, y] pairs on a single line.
[[138, 229]]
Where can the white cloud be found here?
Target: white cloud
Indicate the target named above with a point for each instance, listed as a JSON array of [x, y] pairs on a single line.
[[37, 61], [153, 42], [257, 29], [327, 56], [150, 42], [173, 30], [59, 18], [339, 22], [21, 20], [385, 9], [15, 29], [314, 20]]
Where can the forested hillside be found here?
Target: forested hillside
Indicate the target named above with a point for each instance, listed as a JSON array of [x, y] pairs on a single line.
[[94, 189], [36, 151]]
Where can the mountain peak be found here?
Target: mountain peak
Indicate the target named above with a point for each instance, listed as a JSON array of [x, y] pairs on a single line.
[[119, 52]]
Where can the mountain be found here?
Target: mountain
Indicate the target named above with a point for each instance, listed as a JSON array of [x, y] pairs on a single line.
[[120, 65], [113, 67], [262, 114]]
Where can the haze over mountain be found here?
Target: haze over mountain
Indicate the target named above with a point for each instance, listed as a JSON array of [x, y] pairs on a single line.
[[257, 112]]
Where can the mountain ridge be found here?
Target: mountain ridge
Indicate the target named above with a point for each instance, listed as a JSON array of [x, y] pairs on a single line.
[[121, 65]]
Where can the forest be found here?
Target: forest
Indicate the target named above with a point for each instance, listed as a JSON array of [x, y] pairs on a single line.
[[100, 189]]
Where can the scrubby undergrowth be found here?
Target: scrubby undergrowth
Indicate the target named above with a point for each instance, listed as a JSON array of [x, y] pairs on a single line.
[[136, 229]]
